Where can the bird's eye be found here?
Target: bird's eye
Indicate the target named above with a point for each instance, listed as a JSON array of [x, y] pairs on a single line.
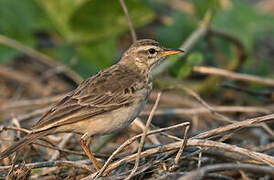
[[151, 51]]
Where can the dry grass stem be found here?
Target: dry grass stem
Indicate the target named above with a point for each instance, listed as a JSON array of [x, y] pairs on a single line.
[[144, 136], [202, 110], [233, 75], [205, 104], [201, 173], [259, 157], [39, 56], [130, 23], [180, 152], [61, 145], [24, 79], [234, 126], [153, 138], [129, 141], [4, 128], [31, 103], [75, 164]]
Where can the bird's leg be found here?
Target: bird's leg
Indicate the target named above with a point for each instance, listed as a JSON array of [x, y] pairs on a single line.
[[84, 142]]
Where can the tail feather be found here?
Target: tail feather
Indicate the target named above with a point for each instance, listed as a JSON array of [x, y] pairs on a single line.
[[22, 142]]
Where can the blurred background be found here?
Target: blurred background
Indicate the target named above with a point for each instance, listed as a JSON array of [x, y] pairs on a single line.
[[89, 35]]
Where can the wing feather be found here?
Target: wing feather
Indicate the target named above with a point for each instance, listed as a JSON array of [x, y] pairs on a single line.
[[98, 94]]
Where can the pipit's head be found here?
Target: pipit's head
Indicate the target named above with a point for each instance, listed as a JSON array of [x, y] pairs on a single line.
[[147, 53]]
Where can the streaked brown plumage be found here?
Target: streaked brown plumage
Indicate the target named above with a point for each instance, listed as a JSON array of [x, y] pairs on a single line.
[[105, 102]]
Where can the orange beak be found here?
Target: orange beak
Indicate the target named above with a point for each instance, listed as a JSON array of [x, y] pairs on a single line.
[[167, 52]]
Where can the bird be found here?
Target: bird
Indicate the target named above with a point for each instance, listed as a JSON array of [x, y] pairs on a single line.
[[104, 103]]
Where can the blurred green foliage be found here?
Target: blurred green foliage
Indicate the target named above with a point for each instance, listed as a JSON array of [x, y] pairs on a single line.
[[89, 30], [86, 29], [201, 7], [240, 19], [18, 20], [244, 22]]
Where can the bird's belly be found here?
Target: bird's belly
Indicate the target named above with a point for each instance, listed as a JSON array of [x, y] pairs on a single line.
[[121, 118], [113, 121]]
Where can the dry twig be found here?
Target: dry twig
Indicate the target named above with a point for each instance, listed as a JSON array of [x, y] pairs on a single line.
[[30, 103], [39, 56], [144, 136], [259, 157], [61, 145], [233, 75], [4, 128], [180, 152], [201, 173], [205, 104], [130, 24], [129, 141], [153, 138], [234, 126], [202, 110], [75, 164], [34, 83]]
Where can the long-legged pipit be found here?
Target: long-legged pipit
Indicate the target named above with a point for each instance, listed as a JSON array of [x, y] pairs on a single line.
[[104, 103]]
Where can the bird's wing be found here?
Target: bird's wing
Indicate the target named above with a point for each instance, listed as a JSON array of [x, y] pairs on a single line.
[[107, 90]]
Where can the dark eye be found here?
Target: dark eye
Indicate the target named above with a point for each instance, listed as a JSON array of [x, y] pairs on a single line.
[[151, 51]]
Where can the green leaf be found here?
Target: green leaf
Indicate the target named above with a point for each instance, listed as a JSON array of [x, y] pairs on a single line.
[[90, 57], [101, 54], [195, 58], [18, 20], [97, 19], [59, 12], [173, 59], [6, 54], [244, 22], [184, 71], [202, 6]]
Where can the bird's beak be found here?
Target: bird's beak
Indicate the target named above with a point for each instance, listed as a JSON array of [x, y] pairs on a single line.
[[167, 52]]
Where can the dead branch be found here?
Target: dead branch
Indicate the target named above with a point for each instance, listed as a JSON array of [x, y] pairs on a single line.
[[266, 159], [153, 138], [234, 126], [233, 75], [61, 145], [129, 141], [24, 79], [201, 173], [39, 56], [264, 147], [130, 23], [266, 94], [180, 152], [4, 128], [31, 103], [202, 110], [74, 164], [205, 104], [144, 136]]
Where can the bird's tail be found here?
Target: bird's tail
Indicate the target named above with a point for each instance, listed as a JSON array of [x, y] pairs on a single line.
[[22, 142]]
